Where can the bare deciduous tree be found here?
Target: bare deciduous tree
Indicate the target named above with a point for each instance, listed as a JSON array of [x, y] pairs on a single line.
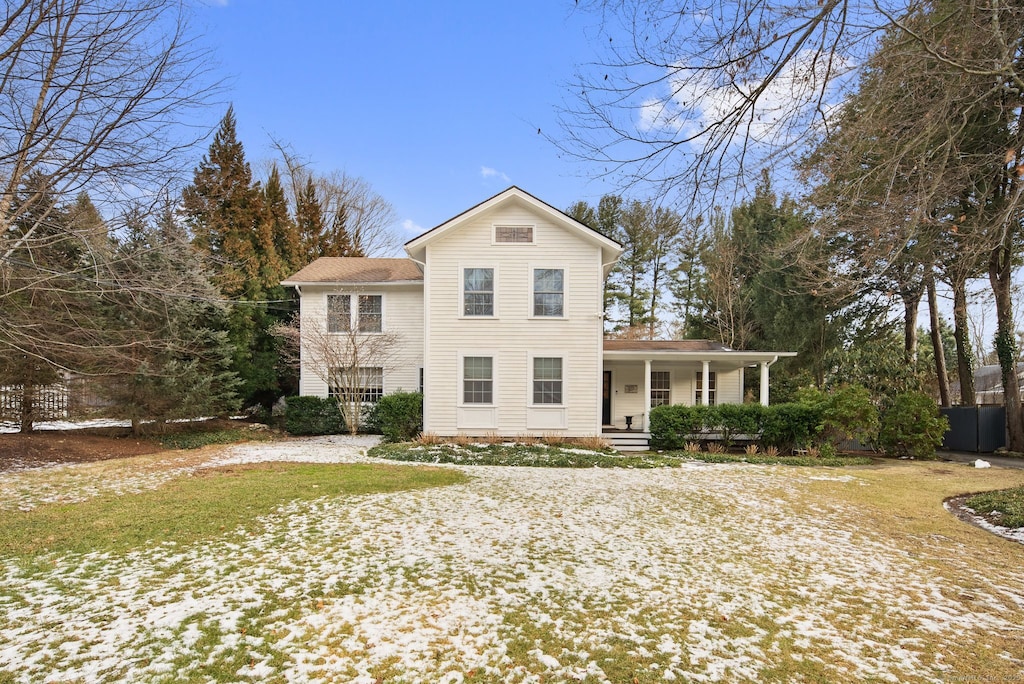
[[93, 94], [347, 203], [351, 363]]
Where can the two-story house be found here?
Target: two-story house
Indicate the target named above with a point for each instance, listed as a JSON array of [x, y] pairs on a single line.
[[497, 317]]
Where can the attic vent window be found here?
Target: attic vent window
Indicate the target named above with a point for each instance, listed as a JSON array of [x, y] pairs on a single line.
[[521, 234]]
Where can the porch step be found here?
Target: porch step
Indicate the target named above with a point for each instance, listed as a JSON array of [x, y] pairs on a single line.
[[628, 441]]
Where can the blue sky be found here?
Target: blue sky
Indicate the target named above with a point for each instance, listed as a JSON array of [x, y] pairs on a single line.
[[436, 104]]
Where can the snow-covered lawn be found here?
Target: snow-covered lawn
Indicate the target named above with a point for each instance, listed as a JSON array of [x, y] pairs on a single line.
[[700, 573]]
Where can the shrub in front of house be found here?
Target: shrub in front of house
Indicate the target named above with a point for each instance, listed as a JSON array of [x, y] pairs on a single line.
[[846, 414], [398, 416], [313, 416], [912, 427], [733, 420], [790, 426], [673, 426]]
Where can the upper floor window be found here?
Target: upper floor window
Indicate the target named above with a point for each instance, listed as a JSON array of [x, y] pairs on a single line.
[[370, 313], [547, 380], [711, 388], [513, 234], [339, 313], [367, 317], [661, 388], [478, 380], [548, 291], [478, 292]]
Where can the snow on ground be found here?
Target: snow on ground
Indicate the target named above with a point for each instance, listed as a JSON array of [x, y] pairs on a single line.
[[519, 575]]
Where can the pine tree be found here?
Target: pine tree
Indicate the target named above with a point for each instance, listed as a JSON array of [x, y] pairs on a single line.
[[309, 220], [224, 210], [287, 242]]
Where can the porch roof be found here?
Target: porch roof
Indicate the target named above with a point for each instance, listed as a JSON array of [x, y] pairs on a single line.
[[686, 350]]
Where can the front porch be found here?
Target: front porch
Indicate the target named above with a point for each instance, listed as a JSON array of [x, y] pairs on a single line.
[[627, 440], [639, 375]]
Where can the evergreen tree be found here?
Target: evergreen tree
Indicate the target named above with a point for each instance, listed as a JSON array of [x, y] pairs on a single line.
[[287, 242], [224, 210], [186, 371]]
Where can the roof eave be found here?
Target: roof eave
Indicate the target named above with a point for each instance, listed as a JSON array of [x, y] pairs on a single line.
[[306, 283]]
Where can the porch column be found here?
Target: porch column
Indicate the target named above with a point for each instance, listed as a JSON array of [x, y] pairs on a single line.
[[647, 395], [764, 383], [705, 380]]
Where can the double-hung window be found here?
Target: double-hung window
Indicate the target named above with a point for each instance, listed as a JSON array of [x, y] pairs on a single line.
[[363, 384], [367, 317], [339, 313], [478, 380], [700, 386], [548, 292], [661, 388], [478, 292], [547, 380], [370, 313]]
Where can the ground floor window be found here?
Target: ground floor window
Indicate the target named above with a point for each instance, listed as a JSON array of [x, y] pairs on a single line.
[[364, 384], [661, 388], [700, 387], [478, 380], [547, 380]]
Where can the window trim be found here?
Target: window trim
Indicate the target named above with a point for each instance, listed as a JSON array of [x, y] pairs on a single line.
[[353, 312], [531, 368], [463, 267], [462, 403], [534, 267], [502, 243]]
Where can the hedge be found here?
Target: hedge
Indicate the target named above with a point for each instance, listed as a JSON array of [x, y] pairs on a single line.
[[786, 426], [313, 416]]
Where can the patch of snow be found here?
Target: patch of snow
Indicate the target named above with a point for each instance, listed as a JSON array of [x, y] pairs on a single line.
[[982, 464]]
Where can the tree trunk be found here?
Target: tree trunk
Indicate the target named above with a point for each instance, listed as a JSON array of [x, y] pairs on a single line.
[[936, 334], [28, 405], [911, 303], [964, 355], [999, 272]]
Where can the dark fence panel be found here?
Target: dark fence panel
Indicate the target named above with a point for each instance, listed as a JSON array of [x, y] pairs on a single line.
[[975, 428]]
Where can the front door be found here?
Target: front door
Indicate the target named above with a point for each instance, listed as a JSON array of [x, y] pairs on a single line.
[[606, 399]]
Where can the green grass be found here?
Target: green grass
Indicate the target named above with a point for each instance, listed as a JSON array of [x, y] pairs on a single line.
[[198, 507], [1008, 504], [539, 455]]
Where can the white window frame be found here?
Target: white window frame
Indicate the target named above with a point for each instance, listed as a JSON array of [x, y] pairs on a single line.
[[666, 390], [530, 373], [565, 290], [462, 379], [378, 390], [494, 234], [463, 267], [712, 388], [353, 312]]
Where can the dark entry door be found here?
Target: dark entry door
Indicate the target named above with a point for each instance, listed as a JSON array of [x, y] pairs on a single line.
[[606, 399]]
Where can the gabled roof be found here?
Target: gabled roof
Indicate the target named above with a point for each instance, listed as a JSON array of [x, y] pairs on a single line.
[[610, 248], [357, 270]]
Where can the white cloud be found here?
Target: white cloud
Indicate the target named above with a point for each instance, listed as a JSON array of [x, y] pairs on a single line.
[[699, 100], [411, 226], [488, 172]]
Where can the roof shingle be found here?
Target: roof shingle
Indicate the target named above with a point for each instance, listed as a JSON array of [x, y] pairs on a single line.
[[357, 270]]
